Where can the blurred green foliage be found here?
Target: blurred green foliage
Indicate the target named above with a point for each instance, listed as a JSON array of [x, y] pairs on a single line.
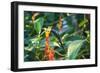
[[72, 42]]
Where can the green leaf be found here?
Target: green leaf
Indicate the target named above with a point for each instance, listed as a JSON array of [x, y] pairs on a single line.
[[53, 44], [74, 48], [38, 23], [82, 23]]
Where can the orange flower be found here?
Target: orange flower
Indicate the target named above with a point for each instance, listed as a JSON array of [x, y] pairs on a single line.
[[49, 53], [47, 34], [34, 16], [60, 23]]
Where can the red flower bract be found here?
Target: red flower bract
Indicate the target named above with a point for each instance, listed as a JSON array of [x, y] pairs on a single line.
[[49, 53]]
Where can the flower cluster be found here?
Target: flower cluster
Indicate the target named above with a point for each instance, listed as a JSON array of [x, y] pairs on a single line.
[[49, 52]]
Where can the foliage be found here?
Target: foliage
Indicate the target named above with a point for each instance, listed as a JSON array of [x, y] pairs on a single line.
[[56, 36]]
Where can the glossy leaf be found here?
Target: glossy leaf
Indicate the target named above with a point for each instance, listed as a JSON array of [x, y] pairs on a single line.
[[38, 23], [74, 48]]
